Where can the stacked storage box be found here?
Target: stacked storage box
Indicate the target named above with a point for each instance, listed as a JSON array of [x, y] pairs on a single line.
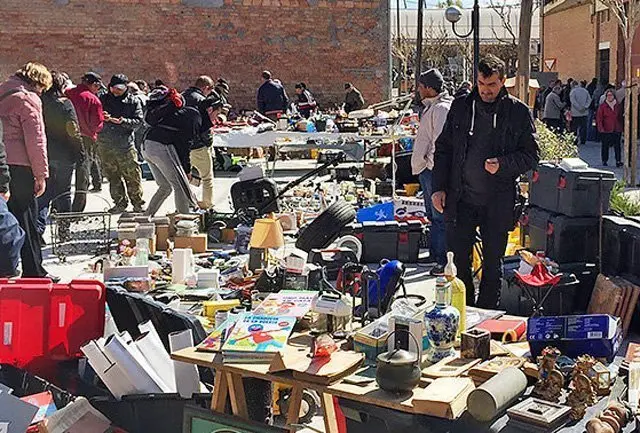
[[563, 221], [621, 247]]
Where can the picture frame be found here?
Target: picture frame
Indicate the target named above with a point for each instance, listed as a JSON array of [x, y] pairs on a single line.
[[199, 420]]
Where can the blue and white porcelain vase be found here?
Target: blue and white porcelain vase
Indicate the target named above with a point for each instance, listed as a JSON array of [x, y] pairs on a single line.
[[442, 323]]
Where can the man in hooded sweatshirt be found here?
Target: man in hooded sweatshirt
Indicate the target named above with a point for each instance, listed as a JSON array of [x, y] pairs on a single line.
[[487, 142], [436, 102]]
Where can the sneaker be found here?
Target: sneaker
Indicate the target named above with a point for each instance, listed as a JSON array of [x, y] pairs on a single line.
[[619, 164], [138, 209], [54, 278], [117, 209], [95, 189], [604, 164], [437, 271]]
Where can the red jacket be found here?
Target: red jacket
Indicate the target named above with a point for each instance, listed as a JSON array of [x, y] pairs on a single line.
[[89, 110], [24, 135], [608, 119]]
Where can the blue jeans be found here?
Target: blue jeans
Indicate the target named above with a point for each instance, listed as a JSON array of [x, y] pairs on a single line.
[[11, 240], [438, 247], [58, 191]]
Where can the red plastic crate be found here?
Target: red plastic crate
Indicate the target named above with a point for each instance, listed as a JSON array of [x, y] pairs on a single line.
[[42, 322]]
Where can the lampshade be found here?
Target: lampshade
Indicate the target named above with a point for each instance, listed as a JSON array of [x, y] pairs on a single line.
[[267, 233]]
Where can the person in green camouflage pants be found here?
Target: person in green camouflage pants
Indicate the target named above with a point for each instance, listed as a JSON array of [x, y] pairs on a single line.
[[119, 166], [116, 144]]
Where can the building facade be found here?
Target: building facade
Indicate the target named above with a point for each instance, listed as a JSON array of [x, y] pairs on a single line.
[[582, 40], [323, 43]]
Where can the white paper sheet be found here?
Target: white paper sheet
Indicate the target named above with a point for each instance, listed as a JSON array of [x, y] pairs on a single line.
[[110, 373], [181, 264], [118, 351], [187, 377], [155, 353]]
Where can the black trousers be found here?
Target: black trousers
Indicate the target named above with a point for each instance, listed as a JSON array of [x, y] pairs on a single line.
[[611, 139], [556, 124], [579, 128], [24, 206], [494, 221]]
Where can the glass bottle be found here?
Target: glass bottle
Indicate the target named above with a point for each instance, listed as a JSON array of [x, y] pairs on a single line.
[[458, 292]]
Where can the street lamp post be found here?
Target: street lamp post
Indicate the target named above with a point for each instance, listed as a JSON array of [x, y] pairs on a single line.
[[453, 15]]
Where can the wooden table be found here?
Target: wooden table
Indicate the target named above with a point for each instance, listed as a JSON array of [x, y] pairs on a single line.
[[228, 383]]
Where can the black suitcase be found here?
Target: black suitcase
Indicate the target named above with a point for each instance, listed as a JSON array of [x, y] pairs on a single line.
[[562, 238], [379, 241], [255, 193], [574, 193]]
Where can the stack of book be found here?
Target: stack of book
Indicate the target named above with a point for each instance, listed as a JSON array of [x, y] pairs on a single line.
[[485, 371]]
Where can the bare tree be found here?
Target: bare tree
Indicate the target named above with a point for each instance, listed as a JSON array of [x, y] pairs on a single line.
[[627, 13]]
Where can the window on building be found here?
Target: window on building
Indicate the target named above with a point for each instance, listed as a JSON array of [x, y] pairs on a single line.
[[603, 65]]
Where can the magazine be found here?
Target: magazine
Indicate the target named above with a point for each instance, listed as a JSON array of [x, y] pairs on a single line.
[[258, 336], [294, 303]]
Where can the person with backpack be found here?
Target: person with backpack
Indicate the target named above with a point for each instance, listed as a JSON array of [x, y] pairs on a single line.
[[174, 129], [65, 148]]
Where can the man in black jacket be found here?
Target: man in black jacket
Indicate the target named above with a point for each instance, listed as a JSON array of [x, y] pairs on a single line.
[[201, 148], [272, 98], [11, 234], [306, 102], [122, 116], [488, 141]]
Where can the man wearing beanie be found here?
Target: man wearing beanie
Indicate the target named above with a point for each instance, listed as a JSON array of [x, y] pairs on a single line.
[[122, 116], [437, 103], [487, 142]]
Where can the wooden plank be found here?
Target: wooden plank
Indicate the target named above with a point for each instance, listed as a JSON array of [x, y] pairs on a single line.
[[293, 414], [329, 410], [238, 398], [220, 392]]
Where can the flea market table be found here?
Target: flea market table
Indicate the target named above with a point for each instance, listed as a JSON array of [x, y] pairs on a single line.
[[228, 384]]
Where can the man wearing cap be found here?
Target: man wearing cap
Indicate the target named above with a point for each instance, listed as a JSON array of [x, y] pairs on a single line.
[[437, 103], [91, 120], [353, 99], [201, 155], [122, 116], [272, 98]]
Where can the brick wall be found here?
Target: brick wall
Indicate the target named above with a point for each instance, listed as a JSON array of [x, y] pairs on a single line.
[[569, 38], [321, 42]]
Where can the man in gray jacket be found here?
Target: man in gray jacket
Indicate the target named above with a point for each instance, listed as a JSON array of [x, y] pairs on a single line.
[[580, 103], [437, 103], [553, 107]]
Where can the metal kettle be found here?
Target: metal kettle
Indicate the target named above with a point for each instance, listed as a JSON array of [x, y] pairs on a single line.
[[398, 370]]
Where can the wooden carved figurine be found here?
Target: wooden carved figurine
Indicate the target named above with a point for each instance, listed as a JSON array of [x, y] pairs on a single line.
[[550, 379], [582, 392], [612, 420]]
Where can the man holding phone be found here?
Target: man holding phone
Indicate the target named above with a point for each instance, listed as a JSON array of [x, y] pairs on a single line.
[[487, 142], [122, 116]]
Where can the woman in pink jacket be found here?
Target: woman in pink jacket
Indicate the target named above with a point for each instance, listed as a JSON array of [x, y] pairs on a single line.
[[26, 147]]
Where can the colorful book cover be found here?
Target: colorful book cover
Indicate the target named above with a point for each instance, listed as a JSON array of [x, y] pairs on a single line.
[[44, 402], [215, 340], [259, 334], [286, 303]]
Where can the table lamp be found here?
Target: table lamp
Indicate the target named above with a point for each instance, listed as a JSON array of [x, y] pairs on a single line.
[[267, 233]]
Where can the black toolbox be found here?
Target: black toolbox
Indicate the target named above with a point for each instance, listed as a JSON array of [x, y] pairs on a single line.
[[562, 238], [409, 241], [574, 193], [621, 247], [568, 297]]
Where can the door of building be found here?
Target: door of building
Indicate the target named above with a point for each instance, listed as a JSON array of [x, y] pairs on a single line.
[[604, 65]]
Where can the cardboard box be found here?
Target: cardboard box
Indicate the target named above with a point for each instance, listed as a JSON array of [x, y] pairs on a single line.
[[598, 335], [162, 235], [197, 243]]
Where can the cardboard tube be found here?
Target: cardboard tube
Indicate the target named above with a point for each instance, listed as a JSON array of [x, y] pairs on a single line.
[[495, 395]]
